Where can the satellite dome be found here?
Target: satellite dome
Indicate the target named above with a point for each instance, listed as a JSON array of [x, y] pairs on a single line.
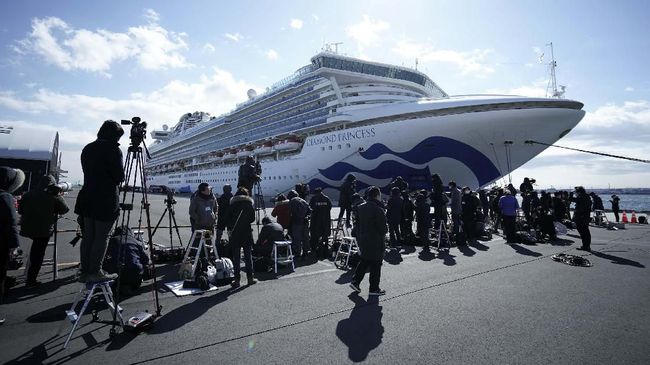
[[165, 127], [251, 93]]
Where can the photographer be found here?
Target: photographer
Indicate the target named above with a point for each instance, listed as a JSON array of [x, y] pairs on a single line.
[[248, 174], [98, 199], [299, 212], [203, 208], [240, 217], [133, 257], [39, 209], [223, 204], [10, 181]]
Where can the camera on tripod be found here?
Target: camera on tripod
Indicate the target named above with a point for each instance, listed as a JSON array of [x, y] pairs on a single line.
[[138, 130], [170, 195]]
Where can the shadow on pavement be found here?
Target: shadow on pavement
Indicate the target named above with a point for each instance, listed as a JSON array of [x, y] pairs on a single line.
[[346, 277], [426, 254], [618, 260], [524, 251], [561, 242], [479, 246], [362, 331], [393, 257], [447, 258], [466, 250]]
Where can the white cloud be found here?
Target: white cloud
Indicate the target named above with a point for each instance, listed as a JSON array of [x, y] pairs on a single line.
[[295, 23], [272, 55], [95, 51], [235, 37], [208, 48], [368, 31], [152, 15], [468, 62], [629, 89], [316, 18]]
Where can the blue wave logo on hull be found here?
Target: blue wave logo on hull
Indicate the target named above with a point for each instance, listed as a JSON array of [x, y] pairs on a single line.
[[423, 153]]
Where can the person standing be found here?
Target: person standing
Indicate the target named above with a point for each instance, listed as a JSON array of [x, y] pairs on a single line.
[[321, 208], [438, 200], [223, 205], [248, 175], [394, 216], [423, 217], [240, 217], [203, 208], [39, 209], [582, 216], [508, 205], [281, 212], [10, 181], [615, 200], [408, 209], [456, 206], [468, 213], [98, 199], [371, 236], [345, 199], [299, 212]]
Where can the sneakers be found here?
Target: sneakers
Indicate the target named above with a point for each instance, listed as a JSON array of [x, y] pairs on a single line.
[[377, 293], [235, 282], [355, 287]]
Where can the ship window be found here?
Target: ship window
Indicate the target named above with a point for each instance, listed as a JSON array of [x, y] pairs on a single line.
[[339, 146], [322, 148], [329, 148], [348, 145]]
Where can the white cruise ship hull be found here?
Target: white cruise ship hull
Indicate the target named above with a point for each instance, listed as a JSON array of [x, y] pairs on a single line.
[[474, 149]]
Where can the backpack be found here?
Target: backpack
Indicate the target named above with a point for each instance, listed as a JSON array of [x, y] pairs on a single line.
[[224, 269]]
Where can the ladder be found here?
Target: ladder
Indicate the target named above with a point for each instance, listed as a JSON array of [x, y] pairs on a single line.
[[87, 291], [200, 244], [347, 248]]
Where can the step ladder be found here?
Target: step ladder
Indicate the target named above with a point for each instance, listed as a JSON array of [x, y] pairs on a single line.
[[283, 259], [88, 291], [347, 248], [340, 230], [600, 218], [200, 244]]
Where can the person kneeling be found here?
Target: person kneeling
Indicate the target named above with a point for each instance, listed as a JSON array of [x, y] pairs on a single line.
[[124, 248]]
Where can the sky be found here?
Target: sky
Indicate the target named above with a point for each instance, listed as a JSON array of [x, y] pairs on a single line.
[[70, 65]]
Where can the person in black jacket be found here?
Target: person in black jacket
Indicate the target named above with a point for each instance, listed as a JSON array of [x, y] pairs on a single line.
[[371, 239], [10, 180], [98, 199], [39, 209], [345, 199], [248, 175], [468, 213], [423, 217], [240, 217], [582, 215], [615, 200], [394, 216], [270, 233], [400, 184], [408, 209], [559, 209], [299, 212], [223, 203], [321, 208], [133, 257]]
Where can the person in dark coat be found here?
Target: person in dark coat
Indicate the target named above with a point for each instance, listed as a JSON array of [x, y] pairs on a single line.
[[400, 184], [133, 256], [582, 216], [321, 208], [223, 205], [240, 217], [371, 240], [98, 199], [303, 190], [456, 206], [248, 175], [559, 209], [468, 213], [485, 204], [345, 198], [512, 190], [270, 233], [597, 202], [10, 181], [438, 200], [394, 216], [423, 217], [615, 201], [203, 208], [299, 212], [39, 209], [356, 201], [281, 212], [408, 210], [508, 206]]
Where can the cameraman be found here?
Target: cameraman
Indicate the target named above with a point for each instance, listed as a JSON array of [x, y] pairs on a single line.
[[98, 200], [39, 210], [248, 174]]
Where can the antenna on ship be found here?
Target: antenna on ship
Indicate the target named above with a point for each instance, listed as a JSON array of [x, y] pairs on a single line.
[[332, 47], [552, 82]]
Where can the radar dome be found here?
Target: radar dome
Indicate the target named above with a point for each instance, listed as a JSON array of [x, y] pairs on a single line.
[[165, 127], [251, 93]]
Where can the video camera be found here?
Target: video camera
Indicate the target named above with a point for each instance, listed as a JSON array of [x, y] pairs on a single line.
[[138, 130], [170, 195], [57, 189]]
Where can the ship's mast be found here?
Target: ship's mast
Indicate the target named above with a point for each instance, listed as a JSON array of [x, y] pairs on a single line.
[[552, 87]]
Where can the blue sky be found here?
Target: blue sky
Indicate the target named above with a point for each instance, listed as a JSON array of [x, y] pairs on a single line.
[[69, 65]]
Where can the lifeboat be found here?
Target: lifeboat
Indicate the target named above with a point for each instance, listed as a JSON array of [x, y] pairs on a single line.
[[289, 144], [230, 155], [245, 152], [264, 149]]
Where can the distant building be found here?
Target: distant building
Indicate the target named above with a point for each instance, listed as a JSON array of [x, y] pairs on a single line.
[[35, 151]]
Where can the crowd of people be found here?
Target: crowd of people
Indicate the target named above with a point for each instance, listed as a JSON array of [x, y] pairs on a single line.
[[302, 216]]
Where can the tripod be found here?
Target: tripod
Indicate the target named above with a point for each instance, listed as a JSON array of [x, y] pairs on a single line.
[[170, 202], [259, 203], [134, 173]]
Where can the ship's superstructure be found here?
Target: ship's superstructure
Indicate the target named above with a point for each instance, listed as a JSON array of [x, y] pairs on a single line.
[[341, 115]]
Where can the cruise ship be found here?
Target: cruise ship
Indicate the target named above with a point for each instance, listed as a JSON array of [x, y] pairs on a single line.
[[340, 115]]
